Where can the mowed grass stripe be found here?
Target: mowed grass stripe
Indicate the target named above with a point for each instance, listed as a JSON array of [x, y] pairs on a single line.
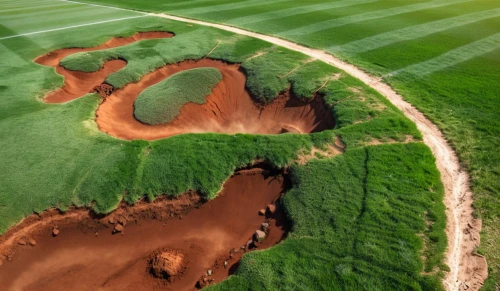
[[52, 13], [185, 3], [10, 4], [350, 19], [102, 6], [296, 11], [454, 57], [32, 7], [412, 32], [12, 13], [73, 26], [78, 15], [223, 7]]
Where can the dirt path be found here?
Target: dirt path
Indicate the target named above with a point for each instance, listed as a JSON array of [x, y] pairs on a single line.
[[467, 269]]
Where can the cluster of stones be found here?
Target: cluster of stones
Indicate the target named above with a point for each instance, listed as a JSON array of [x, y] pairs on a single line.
[[119, 224], [258, 236]]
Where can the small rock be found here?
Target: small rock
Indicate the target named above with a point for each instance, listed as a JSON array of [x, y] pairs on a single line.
[[225, 264], [55, 232], [32, 242], [111, 220], [262, 212], [209, 272], [9, 259], [248, 244], [119, 228], [122, 220], [271, 208], [264, 226], [21, 242], [259, 235]]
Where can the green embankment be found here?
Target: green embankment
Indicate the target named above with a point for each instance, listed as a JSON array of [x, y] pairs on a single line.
[[359, 232], [443, 56], [53, 155], [162, 102]]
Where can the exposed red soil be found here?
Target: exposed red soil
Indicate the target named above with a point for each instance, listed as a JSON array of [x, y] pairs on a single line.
[[77, 84], [229, 109], [86, 253]]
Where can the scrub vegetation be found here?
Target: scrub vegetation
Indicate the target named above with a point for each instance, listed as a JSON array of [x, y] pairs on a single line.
[[161, 103], [371, 218]]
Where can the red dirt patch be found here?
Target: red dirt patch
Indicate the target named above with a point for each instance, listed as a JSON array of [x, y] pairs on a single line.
[[77, 84], [87, 255], [229, 109]]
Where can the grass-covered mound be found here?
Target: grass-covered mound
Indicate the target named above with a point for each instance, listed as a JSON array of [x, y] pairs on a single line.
[[162, 102]]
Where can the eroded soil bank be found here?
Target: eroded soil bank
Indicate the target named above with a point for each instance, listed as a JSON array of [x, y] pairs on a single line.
[[229, 109], [86, 253], [77, 84]]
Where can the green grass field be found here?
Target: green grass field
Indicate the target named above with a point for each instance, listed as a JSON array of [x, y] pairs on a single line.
[[371, 218], [162, 102], [443, 56]]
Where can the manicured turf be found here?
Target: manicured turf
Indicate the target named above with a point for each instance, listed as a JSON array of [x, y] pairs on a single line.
[[54, 156], [161, 103], [443, 56]]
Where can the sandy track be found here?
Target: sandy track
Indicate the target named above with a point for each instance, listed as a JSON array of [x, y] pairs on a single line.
[[467, 269]]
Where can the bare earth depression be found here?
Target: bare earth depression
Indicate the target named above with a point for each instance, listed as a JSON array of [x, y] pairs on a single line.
[[195, 237]]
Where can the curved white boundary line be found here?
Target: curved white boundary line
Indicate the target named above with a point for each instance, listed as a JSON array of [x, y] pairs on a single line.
[[454, 178]]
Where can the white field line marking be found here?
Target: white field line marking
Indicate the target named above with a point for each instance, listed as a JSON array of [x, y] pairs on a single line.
[[97, 5], [295, 11], [413, 32], [68, 27], [224, 7], [377, 14], [454, 178]]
